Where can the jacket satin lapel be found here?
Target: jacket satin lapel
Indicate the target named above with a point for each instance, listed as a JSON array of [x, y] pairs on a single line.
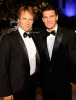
[[57, 41], [58, 38], [45, 48], [22, 43]]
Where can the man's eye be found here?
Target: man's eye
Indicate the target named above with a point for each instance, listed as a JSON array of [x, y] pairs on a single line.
[[45, 17], [52, 16], [31, 19], [24, 18]]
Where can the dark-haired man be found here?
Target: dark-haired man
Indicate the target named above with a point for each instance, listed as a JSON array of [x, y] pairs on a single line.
[[58, 53]]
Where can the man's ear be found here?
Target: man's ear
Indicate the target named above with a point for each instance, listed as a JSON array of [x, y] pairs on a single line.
[[18, 20], [57, 17], [42, 19]]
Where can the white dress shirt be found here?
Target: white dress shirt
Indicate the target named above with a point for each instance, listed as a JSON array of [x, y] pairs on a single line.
[[31, 50], [50, 42]]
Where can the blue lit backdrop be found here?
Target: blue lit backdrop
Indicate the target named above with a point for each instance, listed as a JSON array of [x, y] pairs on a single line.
[[70, 7]]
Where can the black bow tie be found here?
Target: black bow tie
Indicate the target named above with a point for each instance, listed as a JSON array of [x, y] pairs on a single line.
[[25, 35], [53, 33]]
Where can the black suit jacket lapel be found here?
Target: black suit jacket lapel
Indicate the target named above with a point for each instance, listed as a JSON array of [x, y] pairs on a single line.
[[22, 43], [44, 40], [58, 39]]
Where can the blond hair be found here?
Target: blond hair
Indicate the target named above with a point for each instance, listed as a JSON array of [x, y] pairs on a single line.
[[25, 8]]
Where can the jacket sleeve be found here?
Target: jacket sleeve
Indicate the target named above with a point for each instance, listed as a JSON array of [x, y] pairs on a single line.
[[5, 56], [73, 58]]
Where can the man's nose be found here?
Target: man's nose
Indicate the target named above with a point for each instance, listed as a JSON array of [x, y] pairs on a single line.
[[27, 21], [48, 19]]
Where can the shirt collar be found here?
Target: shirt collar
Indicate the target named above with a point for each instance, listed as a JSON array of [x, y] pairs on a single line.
[[55, 28], [21, 31]]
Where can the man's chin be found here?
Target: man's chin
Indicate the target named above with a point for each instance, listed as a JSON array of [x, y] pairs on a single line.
[[27, 30], [49, 28]]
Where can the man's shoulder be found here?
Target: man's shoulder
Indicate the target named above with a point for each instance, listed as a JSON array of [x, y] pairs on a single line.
[[65, 29], [12, 33], [9, 35], [68, 32]]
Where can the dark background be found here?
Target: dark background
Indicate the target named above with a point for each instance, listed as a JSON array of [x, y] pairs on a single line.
[[8, 10]]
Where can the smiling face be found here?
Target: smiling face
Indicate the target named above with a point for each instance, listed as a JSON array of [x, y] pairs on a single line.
[[25, 20], [50, 19]]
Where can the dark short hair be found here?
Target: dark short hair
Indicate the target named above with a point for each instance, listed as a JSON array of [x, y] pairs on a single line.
[[50, 7], [25, 8]]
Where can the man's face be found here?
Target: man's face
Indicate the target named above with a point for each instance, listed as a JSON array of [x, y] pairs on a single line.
[[25, 21], [50, 19]]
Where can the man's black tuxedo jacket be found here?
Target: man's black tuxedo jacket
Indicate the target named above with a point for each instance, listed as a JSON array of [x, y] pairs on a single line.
[[14, 65], [56, 73]]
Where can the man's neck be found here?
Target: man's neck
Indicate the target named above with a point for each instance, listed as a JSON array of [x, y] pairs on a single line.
[[55, 28], [51, 29]]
